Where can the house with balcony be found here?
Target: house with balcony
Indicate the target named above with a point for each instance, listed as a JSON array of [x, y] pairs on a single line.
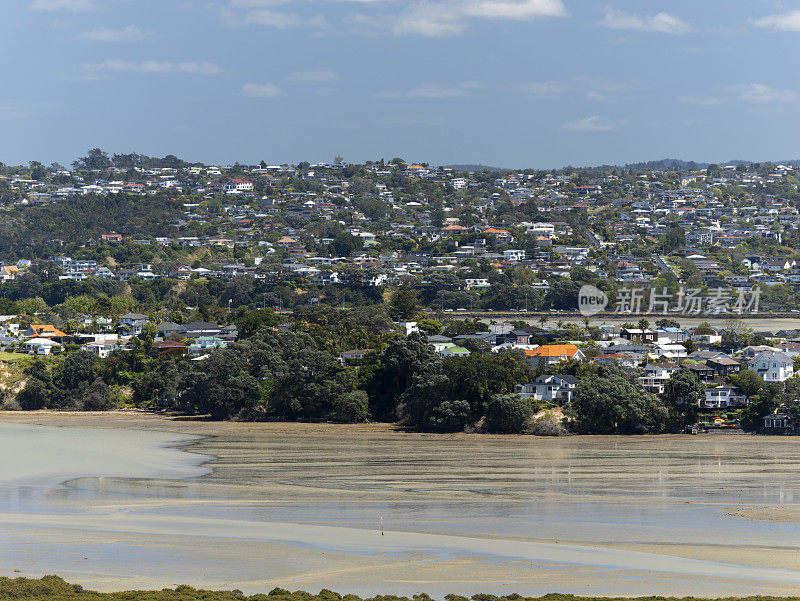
[[553, 389], [721, 397], [656, 376], [772, 366]]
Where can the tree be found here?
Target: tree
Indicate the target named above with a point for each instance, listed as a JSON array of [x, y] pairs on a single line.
[[612, 402], [221, 387], [94, 159], [404, 303], [428, 404], [682, 395], [350, 407], [38, 389], [507, 413], [252, 321], [674, 237], [392, 374], [764, 403], [748, 381]]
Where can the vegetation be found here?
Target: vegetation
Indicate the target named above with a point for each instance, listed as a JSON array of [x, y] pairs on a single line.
[[53, 588]]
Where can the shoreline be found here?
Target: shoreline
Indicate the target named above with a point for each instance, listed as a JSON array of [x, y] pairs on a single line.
[[297, 505]]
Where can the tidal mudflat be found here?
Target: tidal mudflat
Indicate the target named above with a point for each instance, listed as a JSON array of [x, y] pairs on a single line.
[[124, 500]]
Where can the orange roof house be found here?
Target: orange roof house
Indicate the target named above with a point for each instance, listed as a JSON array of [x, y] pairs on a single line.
[[44, 331], [554, 353]]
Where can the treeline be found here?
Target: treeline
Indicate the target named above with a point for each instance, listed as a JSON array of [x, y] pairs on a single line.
[[292, 371], [53, 588], [292, 375]]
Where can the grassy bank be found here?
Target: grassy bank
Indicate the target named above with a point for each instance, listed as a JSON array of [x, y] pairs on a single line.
[[53, 588]]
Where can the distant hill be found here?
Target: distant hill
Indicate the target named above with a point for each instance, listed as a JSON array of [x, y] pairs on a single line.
[[470, 167], [667, 165]]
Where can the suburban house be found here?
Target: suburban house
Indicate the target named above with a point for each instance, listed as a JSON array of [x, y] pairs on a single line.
[[41, 346], [772, 366], [559, 389], [133, 323], [656, 376], [778, 423], [617, 359], [203, 344], [167, 347], [354, 355], [102, 348], [238, 185], [555, 353], [724, 366], [720, 397], [639, 336], [44, 331], [749, 352], [704, 373]]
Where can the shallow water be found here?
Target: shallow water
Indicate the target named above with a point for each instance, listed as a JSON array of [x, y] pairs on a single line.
[[300, 507]]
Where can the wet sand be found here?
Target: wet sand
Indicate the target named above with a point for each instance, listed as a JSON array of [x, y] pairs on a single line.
[[301, 506]]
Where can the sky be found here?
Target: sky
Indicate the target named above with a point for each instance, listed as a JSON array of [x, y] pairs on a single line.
[[507, 83]]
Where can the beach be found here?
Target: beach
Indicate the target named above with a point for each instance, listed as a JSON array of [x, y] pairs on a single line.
[[151, 501]]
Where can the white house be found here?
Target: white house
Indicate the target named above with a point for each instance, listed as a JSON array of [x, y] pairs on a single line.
[[238, 185], [40, 346], [656, 376], [720, 397], [102, 348], [549, 388], [514, 255], [772, 366]]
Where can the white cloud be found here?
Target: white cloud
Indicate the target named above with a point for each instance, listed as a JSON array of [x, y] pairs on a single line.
[[261, 12], [754, 93], [461, 90], [763, 94], [263, 90], [200, 68], [546, 89], [68, 5], [449, 17], [782, 22], [593, 123], [320, 76], [127, 34], [660, 22], [701, 100]]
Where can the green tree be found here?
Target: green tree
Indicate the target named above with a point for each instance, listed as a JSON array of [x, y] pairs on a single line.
[[682, 395], [748, 381], [350, 407], [612, 402], [507, 413], [404, 303], [393, 372]]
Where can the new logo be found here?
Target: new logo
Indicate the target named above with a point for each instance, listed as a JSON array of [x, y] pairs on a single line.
[[591, 300]]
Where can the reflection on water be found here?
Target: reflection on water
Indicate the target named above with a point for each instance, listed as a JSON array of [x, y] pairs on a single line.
[[251, 520]]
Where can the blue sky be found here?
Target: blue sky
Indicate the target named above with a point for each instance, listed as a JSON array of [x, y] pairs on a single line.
[[513, 83]]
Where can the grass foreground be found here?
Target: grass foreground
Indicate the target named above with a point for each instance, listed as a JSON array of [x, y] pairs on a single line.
[[53, 588]]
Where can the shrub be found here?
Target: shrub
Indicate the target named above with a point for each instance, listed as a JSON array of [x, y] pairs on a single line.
[[507, 413]]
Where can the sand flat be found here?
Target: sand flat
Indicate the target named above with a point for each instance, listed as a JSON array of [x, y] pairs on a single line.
[[301, 506]]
